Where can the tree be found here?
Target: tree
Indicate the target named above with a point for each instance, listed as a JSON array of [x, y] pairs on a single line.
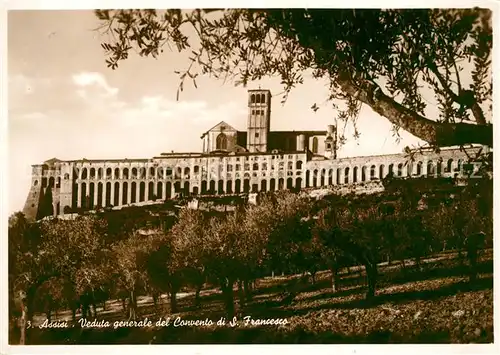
[[386, 59]]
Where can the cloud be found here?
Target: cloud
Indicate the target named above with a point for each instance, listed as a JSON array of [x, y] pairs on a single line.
[[93, 80]]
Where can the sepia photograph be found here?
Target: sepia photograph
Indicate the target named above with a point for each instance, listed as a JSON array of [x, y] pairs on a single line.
[[249, 176]]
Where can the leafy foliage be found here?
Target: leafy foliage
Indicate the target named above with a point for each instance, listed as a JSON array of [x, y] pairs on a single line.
[[358, 51]]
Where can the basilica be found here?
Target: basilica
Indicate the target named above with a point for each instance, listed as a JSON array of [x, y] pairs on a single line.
[[230, 162]]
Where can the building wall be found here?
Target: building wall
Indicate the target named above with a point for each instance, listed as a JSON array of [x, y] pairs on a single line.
[[88, 184]]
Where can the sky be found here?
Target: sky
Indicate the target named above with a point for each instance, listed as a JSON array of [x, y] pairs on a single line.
[[64, 102]]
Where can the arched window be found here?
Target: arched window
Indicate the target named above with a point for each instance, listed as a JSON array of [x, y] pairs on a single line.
[[315, 145], [257, 99], [252, 99], [363, 173], [419, 168], [255, 166], [448, 166], [263, 98], [355, 174], [221, 142], [400, 169], [290, 165], [430, 168], [298, 165], [381, 171], [372, 172], [346, 176]]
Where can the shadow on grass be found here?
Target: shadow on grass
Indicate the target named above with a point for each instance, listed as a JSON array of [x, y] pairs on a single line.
[[267, 335]]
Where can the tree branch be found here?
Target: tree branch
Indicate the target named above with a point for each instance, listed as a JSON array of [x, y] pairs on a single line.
[[432, 132]]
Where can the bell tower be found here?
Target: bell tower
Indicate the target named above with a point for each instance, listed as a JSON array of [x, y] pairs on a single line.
[[259, 120]]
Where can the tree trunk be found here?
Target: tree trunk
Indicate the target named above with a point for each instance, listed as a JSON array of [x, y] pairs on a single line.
[[335, 279], [132, 304], [197, 298], [248, 290], [371, 274], [227, 292], [241, 295], [24, 322], [173, 301]]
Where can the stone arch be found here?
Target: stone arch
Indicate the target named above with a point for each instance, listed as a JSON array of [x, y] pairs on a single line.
[[91, 195], [92, 173], [338, 176], [289, 183], [116, 199], [381, 171], [152, 172], [51, 182], [315, 178], [117, 173], [308, 175], [400, 169], [409, 168], [363, 173], [298, 183], [220, 187], [212, 187], [246, 185], [124, 193], [355, 174], [272, 184], [142, 191], [281, 184], [203, 187], [151, 193], [322, 177], [142, 173], [237, 186], [263, 98], [125, 173], [187, 171], [257, 99], [263, 185], [449, 164], [419, 168], [346, 175], [229, 186], [133, 192], [252, 98], [99, 173], [109, 173], [159, 190], [100, 196], [83, 196], [107, 197], [330, 177], [186, 188], [373, 170], [430, 168], [58, 182], [168, 189], [391, 169], [134, 173], [84, 174]]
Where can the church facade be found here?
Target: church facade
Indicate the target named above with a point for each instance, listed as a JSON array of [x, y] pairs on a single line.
[[231, 162]]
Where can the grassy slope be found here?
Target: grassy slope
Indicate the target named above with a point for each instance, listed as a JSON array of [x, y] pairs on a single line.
[[435, 305]]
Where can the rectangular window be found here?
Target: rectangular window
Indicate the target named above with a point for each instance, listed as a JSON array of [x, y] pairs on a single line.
[[237, 167], [256, 134]]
